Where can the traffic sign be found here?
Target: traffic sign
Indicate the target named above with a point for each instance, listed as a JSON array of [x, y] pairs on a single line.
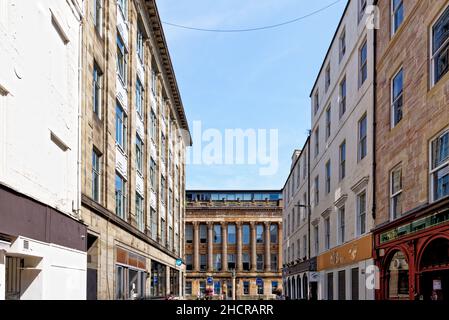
[[210, 280], [259, 281], [178, 262]]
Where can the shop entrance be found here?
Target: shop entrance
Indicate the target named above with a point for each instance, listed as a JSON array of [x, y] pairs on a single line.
[[13, 278], [434, 267]]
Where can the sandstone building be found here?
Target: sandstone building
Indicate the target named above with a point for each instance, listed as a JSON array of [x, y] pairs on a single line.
[[233, 244]]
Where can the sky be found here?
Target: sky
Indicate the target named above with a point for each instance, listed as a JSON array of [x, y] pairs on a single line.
[[253, 81]]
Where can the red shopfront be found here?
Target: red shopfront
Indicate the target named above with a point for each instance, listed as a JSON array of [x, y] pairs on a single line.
[[412, 254]]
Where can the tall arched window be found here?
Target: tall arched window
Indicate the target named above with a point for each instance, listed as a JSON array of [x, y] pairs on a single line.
[[398, 286]]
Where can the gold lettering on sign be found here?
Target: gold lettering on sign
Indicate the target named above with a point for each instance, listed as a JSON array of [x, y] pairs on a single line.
[[353, 252]]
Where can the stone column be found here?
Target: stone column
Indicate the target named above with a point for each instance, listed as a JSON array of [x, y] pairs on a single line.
[[239, 247], [224, 251], [253, 247], [267, 247], [210, 246], [196, 246], [280, 258]]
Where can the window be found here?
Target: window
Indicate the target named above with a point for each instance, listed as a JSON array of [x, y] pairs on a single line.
[[140, 214], [203, 262], [317, 190], [397, 14], [328, 177], [328, 122], [327, 233], [342, 104], [260, 287], [361, 213], [304, 245], [232, 234], [273, 233], [355, 284], [120, 196], [440, 47], [123, 5], [163, 190], [121, 121], [153, 218], [330, 286], [327, 77], [202, 287], [96, 175], [129, 282], [274, 287], [342, 285], [140, 40], [317, 141], [163, 231], [96, 86], [231, 261], [363, 72], [163, 147], [274, 262], [397, 86], [260, 262], [153, 171], [246, 264], [259, 233], [139, 155], [342, 167], [362, 138], [317, 240], [189, 233], [316, 102], [217, 233], [203, 233], [189, 287], [341, 225], [245, 287], [98, 15], [153, 125], [217, 262], [122, 61], [139, 99], [342, 44], [362, 8], [396, 193], [154, 82], [217, 287], [440, 166], [398, 277], [246, 234], [292, 253]]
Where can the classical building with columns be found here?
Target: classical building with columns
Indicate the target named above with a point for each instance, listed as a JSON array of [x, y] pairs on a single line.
[[233, 244]]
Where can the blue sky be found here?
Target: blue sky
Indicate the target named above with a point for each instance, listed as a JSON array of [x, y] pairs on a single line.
[[254, 80]]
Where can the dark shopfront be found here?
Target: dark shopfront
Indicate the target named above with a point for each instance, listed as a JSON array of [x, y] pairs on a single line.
[[412, 254]]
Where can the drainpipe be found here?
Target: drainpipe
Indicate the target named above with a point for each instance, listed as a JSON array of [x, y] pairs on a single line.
[[374, 123], [309, 211], [80, 11]]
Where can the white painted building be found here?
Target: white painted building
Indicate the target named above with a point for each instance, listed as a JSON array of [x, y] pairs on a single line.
[[341, 159], [42, 242]]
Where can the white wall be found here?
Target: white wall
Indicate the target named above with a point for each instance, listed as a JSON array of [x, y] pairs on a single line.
[[51, 272], [40, 74]]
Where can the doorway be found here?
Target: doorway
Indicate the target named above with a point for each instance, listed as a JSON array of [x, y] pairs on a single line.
[[13, 270]]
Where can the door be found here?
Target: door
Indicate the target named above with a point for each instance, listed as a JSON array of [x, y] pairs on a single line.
[[13, 275]]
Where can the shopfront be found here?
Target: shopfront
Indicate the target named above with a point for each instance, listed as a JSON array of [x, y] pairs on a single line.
[[343, 271], [131, 275], [412, 254]]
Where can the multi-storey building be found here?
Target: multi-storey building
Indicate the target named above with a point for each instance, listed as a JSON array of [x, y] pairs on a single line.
[[412, 150], [134, 133], [42, 241], [298, 268], [233, 244], [341, 160]]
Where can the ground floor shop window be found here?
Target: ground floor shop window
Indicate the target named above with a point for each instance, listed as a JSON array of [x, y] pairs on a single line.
[[188, 288], [245, 287], [330, 286], [342, 285], [130, 283], [355, 283], [274, 287], [174, 282], [260, 287], [398, 286], [217, 287], [158, 282]]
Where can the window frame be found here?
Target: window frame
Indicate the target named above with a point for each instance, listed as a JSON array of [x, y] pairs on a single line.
[[97, 91], [341, 225], [122, 60], [342, 98], [393, 11], [434, 169], [363, 64], [123, 144], [342, 44], [342, 160], [122, 196], [360, 214], [393, 196], [445, 44], [328, 174], [362, 144], [96, 175], [328, 121], [394, 100]]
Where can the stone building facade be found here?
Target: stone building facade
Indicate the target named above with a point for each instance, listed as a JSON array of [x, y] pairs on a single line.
[[297, 266], [233, 244], [134, 135], [411, 238], [341, 160]]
